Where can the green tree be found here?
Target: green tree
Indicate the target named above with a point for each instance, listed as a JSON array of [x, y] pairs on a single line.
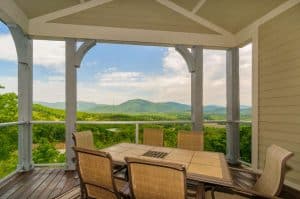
[[2, 86], [245, 143], [45, 152], [8, 107], [215, 139], [9, 165]]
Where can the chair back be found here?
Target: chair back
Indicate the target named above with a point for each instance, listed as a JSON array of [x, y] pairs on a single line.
[[154, 137], [95, 172], [84, 139], [190, 140], [152, 179], [271, 180]]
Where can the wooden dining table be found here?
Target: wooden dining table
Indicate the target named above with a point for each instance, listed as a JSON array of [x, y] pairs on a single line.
[[201, 166]]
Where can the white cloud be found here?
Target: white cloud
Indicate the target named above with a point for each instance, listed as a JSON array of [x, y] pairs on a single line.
[[173, 62], [51, 90], [7, 50], [10, 84], [246, 75], [59, 78], [47, 54], [214, 77], [113, 86], [116, 79]]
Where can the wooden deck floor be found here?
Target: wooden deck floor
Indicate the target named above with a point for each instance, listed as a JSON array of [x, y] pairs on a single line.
[[44, 183], [41, 183]]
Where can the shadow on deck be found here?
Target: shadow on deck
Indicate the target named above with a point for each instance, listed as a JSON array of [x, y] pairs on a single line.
[[52, 182]]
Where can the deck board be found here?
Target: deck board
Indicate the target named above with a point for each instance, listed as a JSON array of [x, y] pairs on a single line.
[[44, 186], [49, 183], [18, 185], [52, 186], [59, 187], [40, 183], [12, 181], [27, 187], [71, 182]]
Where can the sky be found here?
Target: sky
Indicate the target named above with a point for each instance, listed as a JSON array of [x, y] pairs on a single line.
[[115, 73]]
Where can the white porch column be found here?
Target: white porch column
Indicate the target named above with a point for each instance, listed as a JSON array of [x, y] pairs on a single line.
[[25, 59], [71, 101], [233, 105], [197, 89], [74, 57], [194, 61]]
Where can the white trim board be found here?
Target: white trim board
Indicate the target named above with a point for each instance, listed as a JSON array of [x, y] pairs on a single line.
[[255, 100], [198, 6], [11, 13], [196, 18], [68, 11], [245, 34], [55, 30]]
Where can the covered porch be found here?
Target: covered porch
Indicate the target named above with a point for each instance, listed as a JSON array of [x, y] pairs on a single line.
[[190, 27]]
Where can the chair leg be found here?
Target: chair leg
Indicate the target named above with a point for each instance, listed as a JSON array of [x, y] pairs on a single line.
[[200, 191], [83, 195], [213, 192]]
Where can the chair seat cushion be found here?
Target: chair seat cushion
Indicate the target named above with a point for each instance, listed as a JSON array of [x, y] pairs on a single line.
[[99, 193]]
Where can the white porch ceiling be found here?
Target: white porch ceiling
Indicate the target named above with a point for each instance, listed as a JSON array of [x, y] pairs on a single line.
[[216, 23]]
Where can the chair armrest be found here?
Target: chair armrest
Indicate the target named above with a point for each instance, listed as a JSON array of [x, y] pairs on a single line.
[[253, 193], [245, 174], [245, 171], [242, 192]]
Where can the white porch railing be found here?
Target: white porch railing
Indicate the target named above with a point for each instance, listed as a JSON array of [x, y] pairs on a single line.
[[11, 124], [136, 123]]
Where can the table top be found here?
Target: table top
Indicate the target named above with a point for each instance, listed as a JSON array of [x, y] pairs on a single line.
[[204, 166]]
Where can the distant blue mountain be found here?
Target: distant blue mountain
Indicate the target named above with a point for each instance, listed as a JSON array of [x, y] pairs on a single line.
[[142, 106]]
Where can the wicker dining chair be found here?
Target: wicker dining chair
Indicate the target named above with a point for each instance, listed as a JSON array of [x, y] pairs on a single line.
[[190, 140], [153, 137], [96, 174], [268, 184], [84, 139], [149, 179]]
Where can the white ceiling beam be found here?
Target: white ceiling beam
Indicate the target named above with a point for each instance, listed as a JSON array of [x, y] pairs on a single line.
[[196, 18], [11, 13], [246, 33], [198, 6], [68, 11], [126, 35]]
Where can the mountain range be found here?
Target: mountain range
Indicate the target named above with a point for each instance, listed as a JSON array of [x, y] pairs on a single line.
[[142, 106]]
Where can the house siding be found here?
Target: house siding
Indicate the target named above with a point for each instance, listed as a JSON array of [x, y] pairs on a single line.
[[279, 88]]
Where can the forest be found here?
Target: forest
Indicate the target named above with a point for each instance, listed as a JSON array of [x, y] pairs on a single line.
[[48, 139]]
